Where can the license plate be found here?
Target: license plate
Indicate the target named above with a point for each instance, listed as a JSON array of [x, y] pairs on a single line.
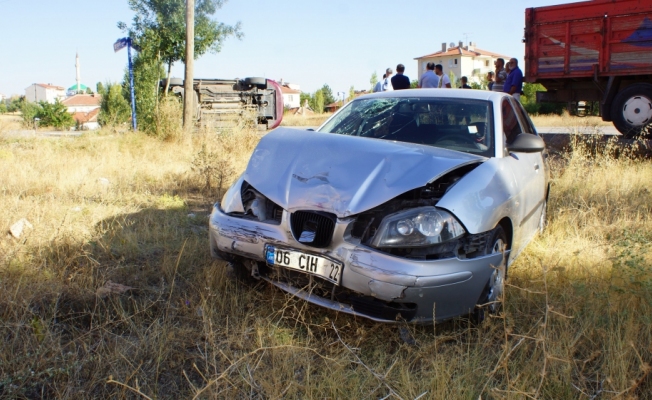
[[308, 263]]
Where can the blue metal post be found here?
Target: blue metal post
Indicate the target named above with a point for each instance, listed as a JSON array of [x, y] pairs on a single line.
[[131, 84]]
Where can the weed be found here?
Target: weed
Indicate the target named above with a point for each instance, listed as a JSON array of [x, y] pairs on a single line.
[[577, 310]]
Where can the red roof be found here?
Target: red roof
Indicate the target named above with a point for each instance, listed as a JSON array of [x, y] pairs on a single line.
[[83, 117], [455, 51], [47, 86], [83, 100], [287, 90]]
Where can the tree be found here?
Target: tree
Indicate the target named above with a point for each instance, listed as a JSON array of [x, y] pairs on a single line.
[[148, 70], [328, 95], [303, 97], [29, 111], [56, 115], [15, 103], [414, 84], [99, 87], [453, 79], [89, 90], [318, 101], [351, 93], [114, 108], [373, 81], [3, 108], [160, 25]]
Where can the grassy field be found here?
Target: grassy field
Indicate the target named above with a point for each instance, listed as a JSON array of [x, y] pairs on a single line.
[[111, 210]]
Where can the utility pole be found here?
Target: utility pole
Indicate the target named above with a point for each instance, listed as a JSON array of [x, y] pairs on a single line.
[[188, 95]]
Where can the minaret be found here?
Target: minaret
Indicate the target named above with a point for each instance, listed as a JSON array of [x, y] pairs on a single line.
[[77, 68]]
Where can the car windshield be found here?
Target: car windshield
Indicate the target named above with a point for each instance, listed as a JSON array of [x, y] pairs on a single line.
[[457, 124]]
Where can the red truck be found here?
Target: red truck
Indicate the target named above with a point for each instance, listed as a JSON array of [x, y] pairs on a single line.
[[598, 50]]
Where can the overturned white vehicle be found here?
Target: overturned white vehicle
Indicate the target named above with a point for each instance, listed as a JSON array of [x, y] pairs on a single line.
[[397, 208]]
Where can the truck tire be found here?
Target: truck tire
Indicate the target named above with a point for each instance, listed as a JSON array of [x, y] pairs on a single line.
[[631, 110], [260, 83]]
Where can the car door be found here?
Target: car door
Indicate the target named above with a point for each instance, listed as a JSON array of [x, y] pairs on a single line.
[[528, 172]]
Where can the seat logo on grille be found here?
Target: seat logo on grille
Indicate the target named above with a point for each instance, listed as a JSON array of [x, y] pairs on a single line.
[[309, 232]]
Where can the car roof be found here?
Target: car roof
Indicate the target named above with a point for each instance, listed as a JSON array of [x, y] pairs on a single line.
[[475, 94]]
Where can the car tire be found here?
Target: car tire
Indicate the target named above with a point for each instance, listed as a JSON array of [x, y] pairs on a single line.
[[631, 110], [260, 83], [490, 300]]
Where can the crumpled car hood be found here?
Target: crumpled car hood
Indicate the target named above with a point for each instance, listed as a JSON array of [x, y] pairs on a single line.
[[343, 175]]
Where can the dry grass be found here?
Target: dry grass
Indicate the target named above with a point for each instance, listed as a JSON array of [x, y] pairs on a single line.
[[133, 210], [305, 120], [9, 122], [567, 120]]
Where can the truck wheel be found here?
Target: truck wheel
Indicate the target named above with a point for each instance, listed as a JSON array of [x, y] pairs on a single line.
[[260, 83], [632, 110]]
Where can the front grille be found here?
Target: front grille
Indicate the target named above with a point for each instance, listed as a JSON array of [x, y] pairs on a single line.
[[313, 228]]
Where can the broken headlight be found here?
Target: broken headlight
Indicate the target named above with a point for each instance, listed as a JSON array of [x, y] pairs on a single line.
[[423, 226]]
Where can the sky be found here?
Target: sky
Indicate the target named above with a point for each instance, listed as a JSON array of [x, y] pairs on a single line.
[[306, 42]]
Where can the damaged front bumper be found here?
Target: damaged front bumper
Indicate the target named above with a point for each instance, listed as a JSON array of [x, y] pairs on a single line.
[[374, 285]]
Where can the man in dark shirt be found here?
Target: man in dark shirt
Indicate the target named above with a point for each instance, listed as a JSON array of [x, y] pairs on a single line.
[[514, 82], [465, 83], [400, 81]]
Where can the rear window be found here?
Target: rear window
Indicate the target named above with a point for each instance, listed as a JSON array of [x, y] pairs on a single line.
[[455, 124]]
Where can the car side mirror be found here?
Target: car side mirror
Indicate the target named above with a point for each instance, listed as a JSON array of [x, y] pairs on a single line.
[[527, 143]]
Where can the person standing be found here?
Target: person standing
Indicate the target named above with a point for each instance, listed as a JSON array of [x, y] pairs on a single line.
[[490, 79], [400, 81], [429, 79], [514, 82], [378, 87], [465, 83], [500, 75], [444, 81], [387, 82]]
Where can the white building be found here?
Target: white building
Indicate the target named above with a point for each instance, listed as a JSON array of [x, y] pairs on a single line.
[[84, 109], [462, 60], [42, 92], [291, 97]]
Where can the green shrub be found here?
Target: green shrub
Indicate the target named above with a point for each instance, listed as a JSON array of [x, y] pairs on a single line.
[[29, 111], [55, 115], [114, 108]]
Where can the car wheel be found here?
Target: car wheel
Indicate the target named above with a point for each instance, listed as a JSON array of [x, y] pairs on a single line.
[[490, 300], [632, 110], [260, 83]]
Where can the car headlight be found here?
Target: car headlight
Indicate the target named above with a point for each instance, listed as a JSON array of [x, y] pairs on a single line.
[[418, 227]]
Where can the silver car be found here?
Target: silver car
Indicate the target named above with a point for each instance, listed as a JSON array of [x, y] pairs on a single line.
[[407, 205]]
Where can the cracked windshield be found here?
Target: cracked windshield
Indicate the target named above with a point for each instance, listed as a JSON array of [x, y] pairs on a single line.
[[455, 124]]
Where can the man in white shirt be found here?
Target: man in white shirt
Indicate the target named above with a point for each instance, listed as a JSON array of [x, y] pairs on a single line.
[[387, 83], [429, 79], [444, 81]]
